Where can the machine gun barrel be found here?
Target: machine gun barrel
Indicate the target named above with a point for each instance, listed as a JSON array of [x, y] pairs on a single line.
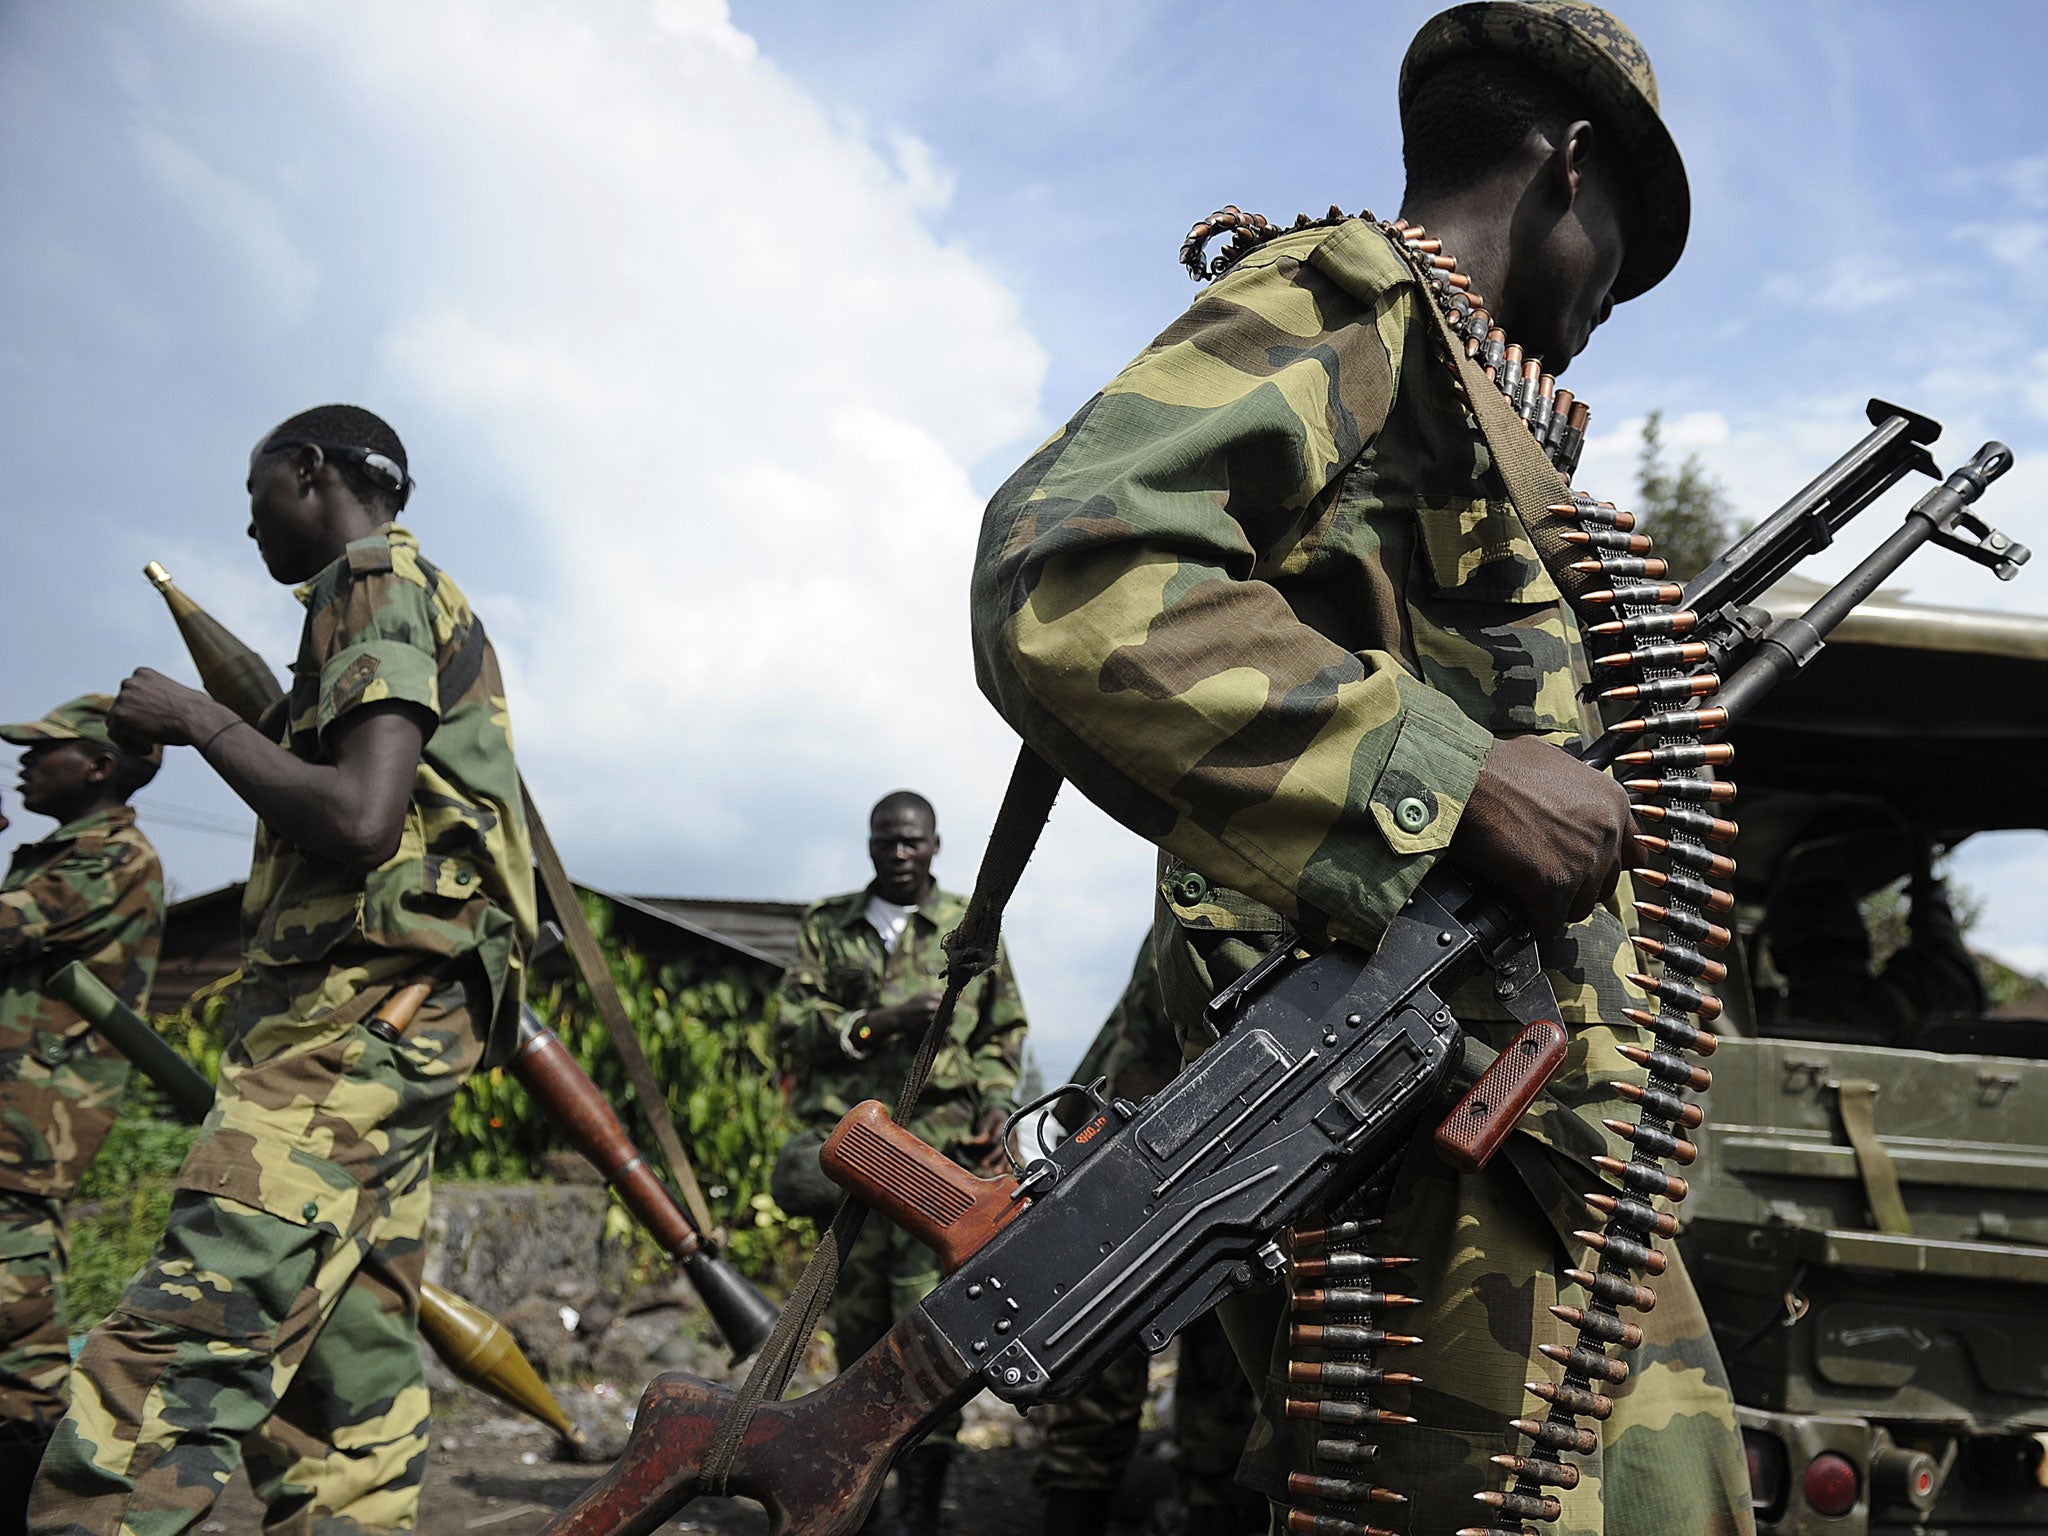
[[1941, 516], [1806, 524], [1810, 519]]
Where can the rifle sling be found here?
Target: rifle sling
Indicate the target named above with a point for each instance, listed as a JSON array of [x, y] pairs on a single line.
[[971, 949], [604, 992]]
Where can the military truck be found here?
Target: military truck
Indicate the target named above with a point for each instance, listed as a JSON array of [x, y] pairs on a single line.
[[1869, 1221]]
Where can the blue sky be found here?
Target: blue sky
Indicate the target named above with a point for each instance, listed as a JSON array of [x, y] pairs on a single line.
[[709, 332]]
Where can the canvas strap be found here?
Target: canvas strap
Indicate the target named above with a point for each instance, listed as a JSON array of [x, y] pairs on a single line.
[[1856, 1098]]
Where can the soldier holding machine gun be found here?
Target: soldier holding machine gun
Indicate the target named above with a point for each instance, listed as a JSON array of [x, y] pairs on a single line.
[[1264, 599], [389, 907]]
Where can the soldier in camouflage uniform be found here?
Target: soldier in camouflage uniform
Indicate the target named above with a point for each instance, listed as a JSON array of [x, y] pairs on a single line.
[[851, 1009], [1087, 1441], [278, 1313], [1267, 601], [91, 891]]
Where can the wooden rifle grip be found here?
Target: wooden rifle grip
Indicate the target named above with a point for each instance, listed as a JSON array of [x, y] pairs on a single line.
[[395, 1014], [919, 1188], [575, 1104], [1473, 1132]]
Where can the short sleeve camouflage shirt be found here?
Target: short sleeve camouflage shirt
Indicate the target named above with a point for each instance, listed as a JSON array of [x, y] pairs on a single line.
[[385, 624], [92, 891]]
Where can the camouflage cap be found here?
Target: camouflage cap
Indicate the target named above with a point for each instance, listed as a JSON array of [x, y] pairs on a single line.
[[82, 719], [1600, 58]]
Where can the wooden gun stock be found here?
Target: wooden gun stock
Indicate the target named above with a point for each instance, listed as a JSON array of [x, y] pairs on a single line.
[[919, 1188], [815, 1462], [1473, 1132]]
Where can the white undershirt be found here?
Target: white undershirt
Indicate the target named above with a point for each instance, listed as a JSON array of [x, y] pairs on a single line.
[[888, 919]]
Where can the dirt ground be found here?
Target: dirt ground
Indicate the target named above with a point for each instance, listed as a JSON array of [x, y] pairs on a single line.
[[493, 1472]]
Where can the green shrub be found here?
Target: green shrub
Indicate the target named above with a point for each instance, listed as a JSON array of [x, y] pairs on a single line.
[[122, 1203]]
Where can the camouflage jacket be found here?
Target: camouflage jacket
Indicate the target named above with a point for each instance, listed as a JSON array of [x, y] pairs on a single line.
[[1265, 600], [842, 970], [91, 891], [383, 623]]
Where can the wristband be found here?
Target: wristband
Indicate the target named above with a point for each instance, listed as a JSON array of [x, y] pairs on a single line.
[[216, 736]]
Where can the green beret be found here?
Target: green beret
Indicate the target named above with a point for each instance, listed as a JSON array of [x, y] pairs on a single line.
[[1601, 60]]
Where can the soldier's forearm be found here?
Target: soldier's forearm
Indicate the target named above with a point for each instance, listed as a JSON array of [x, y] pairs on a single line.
[[351, 810]]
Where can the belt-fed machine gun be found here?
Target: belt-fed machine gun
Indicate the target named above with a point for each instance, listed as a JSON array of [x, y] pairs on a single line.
[[1151, 1213]]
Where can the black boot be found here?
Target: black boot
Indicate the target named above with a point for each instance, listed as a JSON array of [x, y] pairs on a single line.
[[1077, 1511], [21, 1452], [920, 1489]]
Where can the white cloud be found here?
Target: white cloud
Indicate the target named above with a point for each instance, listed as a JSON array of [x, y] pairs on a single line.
[[707, 332], [1857, 281], [927, 184], [235, 212]]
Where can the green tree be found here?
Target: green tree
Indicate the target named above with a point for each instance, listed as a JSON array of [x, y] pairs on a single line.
[[1685, 510], [1032, 1083]]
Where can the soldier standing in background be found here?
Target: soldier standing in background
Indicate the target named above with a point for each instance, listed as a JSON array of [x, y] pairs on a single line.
[[278, 1314], [1087, 1442], [851, 1010], [1266, 599], [91, 891]]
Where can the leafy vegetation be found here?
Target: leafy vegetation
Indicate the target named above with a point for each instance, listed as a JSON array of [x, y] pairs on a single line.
[[122, 1204], [706, 1031], [1685, 510]]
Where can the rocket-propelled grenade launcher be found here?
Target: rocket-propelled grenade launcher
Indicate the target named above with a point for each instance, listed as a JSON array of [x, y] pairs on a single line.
[[1151, 1213]]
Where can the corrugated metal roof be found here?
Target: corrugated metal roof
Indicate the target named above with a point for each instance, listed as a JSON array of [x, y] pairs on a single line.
[[765, 928], [202, 938]]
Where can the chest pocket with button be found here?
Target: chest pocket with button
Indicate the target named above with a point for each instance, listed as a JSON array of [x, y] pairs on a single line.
[[1489, 625]]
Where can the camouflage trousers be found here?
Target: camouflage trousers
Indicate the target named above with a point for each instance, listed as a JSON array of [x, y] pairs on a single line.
[[1088, 1440], [886, 1273], [35, 1352], [1492, 1250], [277, 1316]]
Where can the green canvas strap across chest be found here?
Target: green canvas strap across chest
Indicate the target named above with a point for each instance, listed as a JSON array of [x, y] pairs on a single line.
[[1360, 258]]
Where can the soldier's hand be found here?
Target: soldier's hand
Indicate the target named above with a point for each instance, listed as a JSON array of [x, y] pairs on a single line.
[[908, 1017], [151, 708], [1551, 832], [989, 1134]]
